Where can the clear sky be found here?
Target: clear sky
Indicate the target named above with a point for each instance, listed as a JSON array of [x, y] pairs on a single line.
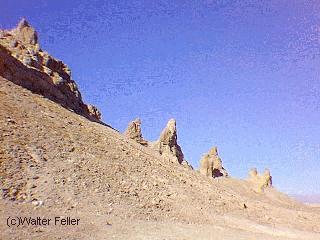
[[242, 75]]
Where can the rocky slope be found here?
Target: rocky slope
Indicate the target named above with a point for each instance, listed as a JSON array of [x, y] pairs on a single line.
[[54, 162]]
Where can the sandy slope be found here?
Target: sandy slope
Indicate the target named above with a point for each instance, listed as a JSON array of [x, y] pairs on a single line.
[[69, 166]]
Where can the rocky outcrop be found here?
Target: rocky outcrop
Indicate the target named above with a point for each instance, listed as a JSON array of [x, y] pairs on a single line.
[[260, 181], [94, 111], [211, 164], [134, 132], [167, 144], [25, 33], [23, 62], [253, 173]]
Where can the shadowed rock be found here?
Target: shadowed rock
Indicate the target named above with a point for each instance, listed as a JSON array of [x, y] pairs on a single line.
[[211, 164]]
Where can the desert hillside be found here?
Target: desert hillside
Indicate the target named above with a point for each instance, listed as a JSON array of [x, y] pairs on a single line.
[[58, 159]]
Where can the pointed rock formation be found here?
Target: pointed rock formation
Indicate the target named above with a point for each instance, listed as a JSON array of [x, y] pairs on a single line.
[[253, 173], [24, 63], [134, 132], [267, 178], [211, 164], [260, 181], [168, 146], [25, 33]]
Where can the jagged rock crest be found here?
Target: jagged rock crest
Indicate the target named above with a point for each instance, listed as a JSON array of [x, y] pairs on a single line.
[[25, 33]]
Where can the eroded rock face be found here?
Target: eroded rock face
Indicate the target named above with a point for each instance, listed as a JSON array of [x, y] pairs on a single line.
[[260, 181], [211, 164], [25, 33], [24, 63], [168, 146], [134, 132], [94, 111]]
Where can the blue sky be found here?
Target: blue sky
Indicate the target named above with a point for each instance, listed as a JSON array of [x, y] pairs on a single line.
[[242, 75]]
